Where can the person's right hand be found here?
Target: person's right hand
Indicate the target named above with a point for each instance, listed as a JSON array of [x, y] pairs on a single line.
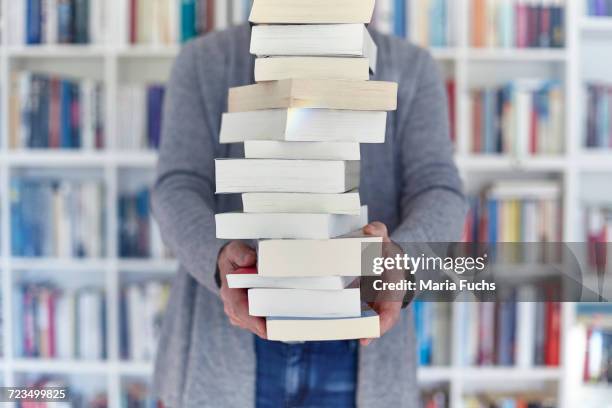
[[234, 256]]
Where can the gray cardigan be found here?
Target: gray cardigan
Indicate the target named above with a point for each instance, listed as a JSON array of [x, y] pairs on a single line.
[[410, 183]]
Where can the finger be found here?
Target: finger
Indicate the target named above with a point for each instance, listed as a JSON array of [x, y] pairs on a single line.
[[388, 318], [377, 229], [365, 342], [240, 254], [255, 324]]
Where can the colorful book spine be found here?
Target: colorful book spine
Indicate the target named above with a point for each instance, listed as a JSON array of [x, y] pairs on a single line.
[[598, 126]]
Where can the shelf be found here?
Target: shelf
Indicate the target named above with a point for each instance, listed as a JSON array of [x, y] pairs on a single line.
[[434, 374], [442, 54], [57, 51], [136, 368], [597, 24], [78, 158], [145, 51], [476, 162], [60, 366], [496, 374], [154, 266], [595, 160], [518, 54], [58, 264]]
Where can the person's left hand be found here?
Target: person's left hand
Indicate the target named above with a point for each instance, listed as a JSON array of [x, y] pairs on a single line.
[[388, 311]]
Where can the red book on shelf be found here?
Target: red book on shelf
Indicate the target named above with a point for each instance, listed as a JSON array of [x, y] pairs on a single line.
[[51, 318], [553, 326], [544, 34], [28, 323], [210, 16], [133, 21], [450, 90], [521, 25], [585, 369]]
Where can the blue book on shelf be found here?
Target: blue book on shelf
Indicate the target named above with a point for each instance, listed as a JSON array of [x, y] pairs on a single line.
[[18, 320], [437, 23], [492, 220], [603, 119], [34, 21], [17, 228], [65, 115], [399, 18], [188, 19]]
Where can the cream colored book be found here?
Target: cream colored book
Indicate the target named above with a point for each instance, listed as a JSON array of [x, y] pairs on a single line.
[[339, 257], [345, 203], [311, 11], [253, 280], [304, 125], [278, 68], [272, 149], [315, 93], [315, 40], [304, 302], [287, 226], [309, 329], [283, 176]]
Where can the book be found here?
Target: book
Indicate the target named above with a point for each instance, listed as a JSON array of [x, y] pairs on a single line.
[[348, 40], [308, 258], [345, 203], [300, 176], [311, 11], [315, 93], [304, 125], [304, 303], [272, 149], [287, 226], [250, 279], [278, 68], [309, 329]]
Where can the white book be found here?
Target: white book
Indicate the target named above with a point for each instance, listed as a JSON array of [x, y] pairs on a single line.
[[50, 22], [308, 329], [526, 327], [304, 303], [347, 40], [97, 22], [301, 258], [17, 20], [524, 107], [221, 15], [253, 280], [238, 8], [345, 203], [273, 149], [152, 294], [304, 125], [383, 16], [287, 226], [87, 124], [278, 68], [65, 325], [90, 324], [136, 326], [299, 176], [311, 11]]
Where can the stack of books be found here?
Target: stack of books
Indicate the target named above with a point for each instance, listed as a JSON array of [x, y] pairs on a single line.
[[301, 125], [523, 117]]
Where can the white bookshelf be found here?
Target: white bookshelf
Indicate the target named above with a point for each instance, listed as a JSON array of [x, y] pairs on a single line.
[[115, 63]]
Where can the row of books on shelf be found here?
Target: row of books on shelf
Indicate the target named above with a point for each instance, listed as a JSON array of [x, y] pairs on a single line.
[[139, 121], [57, 21], [511, 333], [138, 395], [433, 332], [518, 23], [599, 115], [434, 398], [167, 22], [516, 211], [598, 356], [141, 310], [51, 218], [54, 323], [543, 400], [79, 394], [427, 23], [520, 118], [139, 235], [48, 111], [599, 8]]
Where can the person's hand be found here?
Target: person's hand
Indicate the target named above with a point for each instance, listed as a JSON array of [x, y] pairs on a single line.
[[235, 256], [388, 311]]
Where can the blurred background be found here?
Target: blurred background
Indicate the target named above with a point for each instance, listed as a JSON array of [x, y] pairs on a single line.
[[85, 276]]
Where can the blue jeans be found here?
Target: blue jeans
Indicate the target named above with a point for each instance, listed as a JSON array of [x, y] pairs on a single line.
[[312, 374]]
